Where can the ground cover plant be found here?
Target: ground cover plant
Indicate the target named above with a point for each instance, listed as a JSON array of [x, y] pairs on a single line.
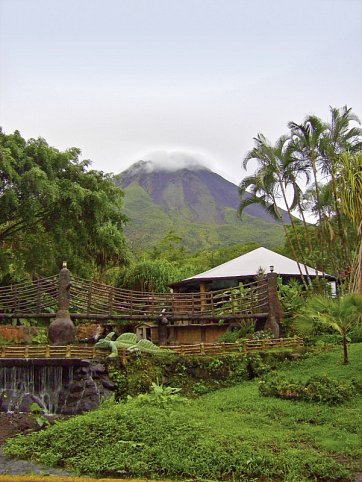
[[52, 478], [230, 434], [195, 375]]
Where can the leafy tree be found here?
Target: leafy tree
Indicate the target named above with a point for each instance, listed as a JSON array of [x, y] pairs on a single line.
[[150, 275], [54, 208], [342, 314]]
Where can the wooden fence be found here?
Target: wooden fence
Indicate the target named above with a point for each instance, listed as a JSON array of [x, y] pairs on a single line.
[[50, 351], [222, 348], [91, 352]]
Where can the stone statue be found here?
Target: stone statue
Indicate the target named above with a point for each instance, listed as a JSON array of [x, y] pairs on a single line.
[[62, 330]]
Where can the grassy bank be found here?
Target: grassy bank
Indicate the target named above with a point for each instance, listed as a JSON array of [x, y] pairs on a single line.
[[230, 434]]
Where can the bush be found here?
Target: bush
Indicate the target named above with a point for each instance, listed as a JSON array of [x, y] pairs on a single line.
[[195, 375], [320, 389], [160, 396], [233, 336], [145, 441]]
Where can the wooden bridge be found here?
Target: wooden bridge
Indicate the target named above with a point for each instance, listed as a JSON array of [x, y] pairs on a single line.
[[90, 300]]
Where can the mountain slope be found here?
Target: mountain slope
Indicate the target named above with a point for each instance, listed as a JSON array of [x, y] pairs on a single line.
[[196, 203]]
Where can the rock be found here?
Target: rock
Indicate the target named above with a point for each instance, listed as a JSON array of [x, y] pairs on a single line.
[[98, 369], [62, 330], [108, 385]]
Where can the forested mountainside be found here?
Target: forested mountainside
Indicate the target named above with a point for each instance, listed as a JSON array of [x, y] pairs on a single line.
[[195, 203]]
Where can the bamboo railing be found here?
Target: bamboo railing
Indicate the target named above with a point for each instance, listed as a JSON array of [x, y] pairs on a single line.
[[91, 352], [94, 300], [246, 346], [50, 351], [35, 297]]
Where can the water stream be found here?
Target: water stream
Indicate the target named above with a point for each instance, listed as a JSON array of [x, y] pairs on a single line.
[[20, 386]]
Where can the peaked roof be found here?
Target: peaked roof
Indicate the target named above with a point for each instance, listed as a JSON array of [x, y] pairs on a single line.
[[248, 264]]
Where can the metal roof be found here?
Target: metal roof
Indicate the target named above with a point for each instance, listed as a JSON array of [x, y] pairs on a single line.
[[248, 265]]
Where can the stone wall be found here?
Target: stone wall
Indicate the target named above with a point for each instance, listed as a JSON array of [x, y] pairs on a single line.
[[87, 388], [59, 386]]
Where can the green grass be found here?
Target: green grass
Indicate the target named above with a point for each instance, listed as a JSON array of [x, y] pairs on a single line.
[[232, 434]]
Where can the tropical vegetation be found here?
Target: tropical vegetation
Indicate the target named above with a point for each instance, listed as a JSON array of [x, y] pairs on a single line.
[[314, 171], [53, 207], [230, 434], [343, 315]]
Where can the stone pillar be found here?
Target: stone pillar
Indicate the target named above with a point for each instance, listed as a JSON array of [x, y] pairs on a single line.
[[275, 308], [162, 330], [62, 330]]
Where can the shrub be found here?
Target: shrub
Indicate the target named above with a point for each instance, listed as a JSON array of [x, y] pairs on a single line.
[[160, 396], [262, 335], [320, 389]]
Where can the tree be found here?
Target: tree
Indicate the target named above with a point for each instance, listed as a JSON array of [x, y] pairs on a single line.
[[319, 146], [313, 156], [270, 182], [54, 208], [150, 275], [349, 192], [341, 314]]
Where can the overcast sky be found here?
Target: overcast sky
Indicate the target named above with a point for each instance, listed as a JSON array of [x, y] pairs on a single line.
[[121, 79]]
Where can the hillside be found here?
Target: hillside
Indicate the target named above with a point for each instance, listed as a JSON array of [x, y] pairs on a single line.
[[196, 203]]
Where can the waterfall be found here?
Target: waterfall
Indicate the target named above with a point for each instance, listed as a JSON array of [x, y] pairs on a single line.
[[20, 386]]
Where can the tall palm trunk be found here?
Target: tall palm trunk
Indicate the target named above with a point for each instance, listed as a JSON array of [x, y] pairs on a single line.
[[281, 183], [345, 349], [321, 233], [342, 238]]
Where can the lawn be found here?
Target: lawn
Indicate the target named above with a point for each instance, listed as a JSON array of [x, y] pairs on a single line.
[[231, 434]]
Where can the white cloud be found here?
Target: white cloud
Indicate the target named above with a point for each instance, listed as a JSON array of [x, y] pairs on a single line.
[[174, 160]]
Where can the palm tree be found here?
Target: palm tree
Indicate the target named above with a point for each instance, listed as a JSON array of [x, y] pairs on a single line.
[[349, 190], [339, 137], [342, 314], [269, 184], [305, 143]]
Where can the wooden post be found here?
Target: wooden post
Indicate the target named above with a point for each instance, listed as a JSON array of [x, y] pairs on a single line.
[[274, 307], [38, 297], [110, 301], [89, 301], [202, 295], [124, 357]]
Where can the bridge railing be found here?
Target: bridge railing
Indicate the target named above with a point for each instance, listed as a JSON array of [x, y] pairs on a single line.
[[94, 300], [37, 296], [97, 298]]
